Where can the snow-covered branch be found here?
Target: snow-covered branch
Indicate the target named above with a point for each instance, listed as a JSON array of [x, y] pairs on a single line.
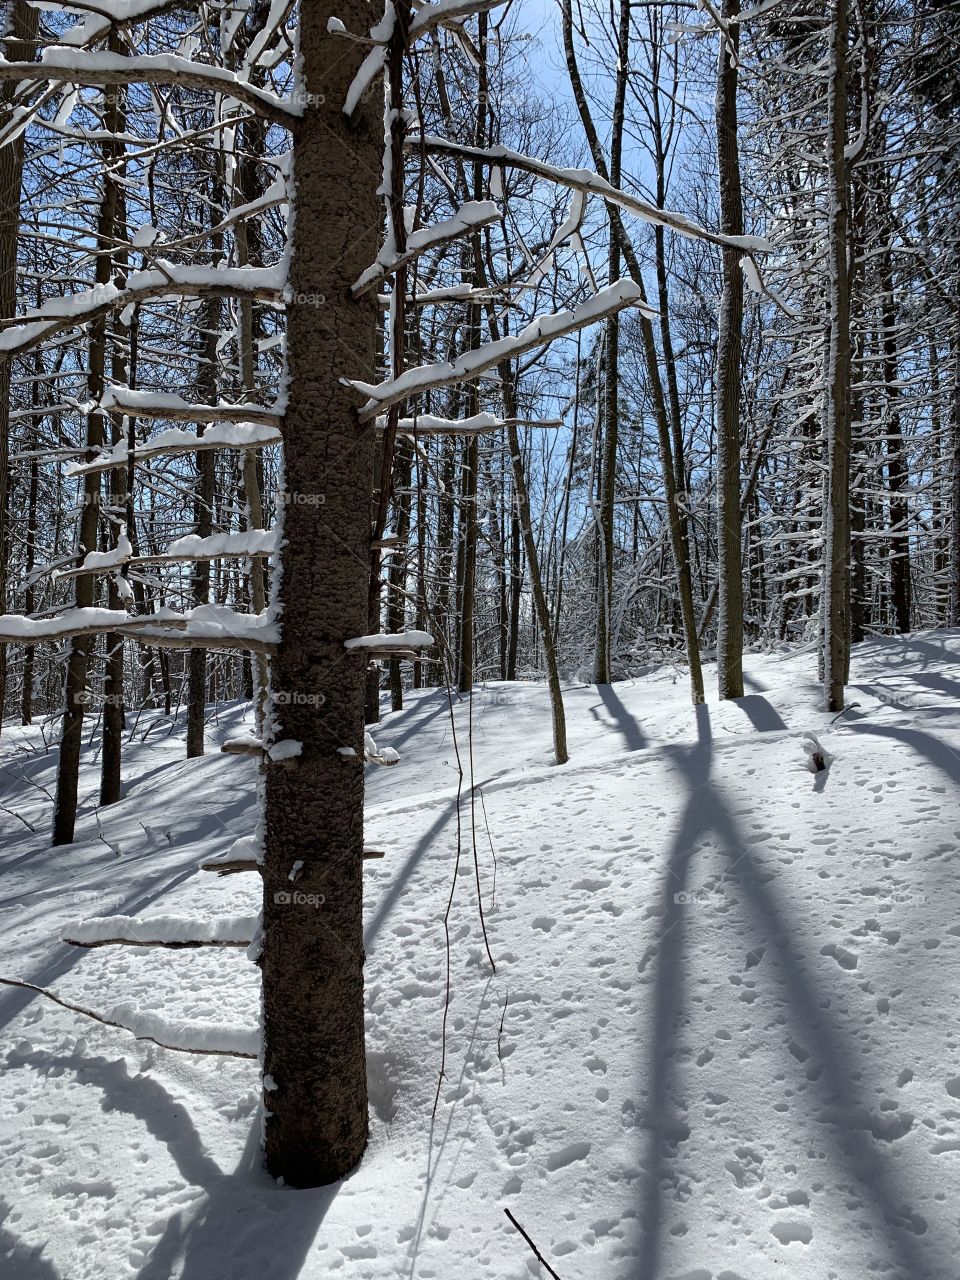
[[471, 364]]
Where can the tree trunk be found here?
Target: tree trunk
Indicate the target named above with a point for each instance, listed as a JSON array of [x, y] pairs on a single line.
[[729, 344], [836, 573], [315, 1097], [75, 682], [203, 517]]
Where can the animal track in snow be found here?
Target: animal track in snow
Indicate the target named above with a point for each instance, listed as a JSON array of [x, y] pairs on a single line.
[[568, 1155], [792, 1232]]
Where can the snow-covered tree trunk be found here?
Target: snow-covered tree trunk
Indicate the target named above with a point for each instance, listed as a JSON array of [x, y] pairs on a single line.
[[315, 1093], [836, 420], [729, 345]]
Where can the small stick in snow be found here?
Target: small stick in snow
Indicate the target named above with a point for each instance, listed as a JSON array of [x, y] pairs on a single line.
[[536, 1252]]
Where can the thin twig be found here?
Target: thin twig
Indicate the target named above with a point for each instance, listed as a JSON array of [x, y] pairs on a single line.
[[536, 1252]]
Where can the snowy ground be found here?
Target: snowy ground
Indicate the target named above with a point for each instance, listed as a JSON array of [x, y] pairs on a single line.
[[762, 1080]]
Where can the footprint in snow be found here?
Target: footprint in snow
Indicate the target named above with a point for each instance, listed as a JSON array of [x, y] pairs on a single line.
[[567, 1155], [788, 1232]]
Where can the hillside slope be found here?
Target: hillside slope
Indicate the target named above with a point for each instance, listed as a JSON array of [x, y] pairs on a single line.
[[721, 1042]]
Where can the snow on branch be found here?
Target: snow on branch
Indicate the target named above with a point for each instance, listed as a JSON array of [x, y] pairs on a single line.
[[175, 280], [470, 216], [471, 364], [203, 1037], [386, 642], [62, 64], [590, 182], [248, 544], [161, 931], [448, 13], [161, 404], [241, 435], [426, 424], [207, 626]]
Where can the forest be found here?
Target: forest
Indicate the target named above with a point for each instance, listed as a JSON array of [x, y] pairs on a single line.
[[479, 606]]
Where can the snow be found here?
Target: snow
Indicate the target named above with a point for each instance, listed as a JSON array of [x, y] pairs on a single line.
[[163, 929], [166, 67], [207, 622], [226, 435], [470, 216], [384, 640], [252, 542], [720, 1041]]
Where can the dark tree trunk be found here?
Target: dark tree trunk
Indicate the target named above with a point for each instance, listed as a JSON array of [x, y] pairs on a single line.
[[729, 345], [836, 584], [314, 1064], [75, 682]]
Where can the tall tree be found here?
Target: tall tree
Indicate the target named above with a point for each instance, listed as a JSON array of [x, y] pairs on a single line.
[[836, 396], [313, 1056], [728, 389]]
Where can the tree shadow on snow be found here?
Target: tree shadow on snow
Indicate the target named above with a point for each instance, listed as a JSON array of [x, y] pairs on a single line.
[[847, 1127], [762, 715], [633, 735], [22, 1261]]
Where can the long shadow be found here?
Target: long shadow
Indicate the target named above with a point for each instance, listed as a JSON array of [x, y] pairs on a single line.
[[142, 1097], [705, 811], [764, 717], [940, 754], [428, 708], [389, 899], [20, 1261], [624, 721], [751, 682], [248, 1227]]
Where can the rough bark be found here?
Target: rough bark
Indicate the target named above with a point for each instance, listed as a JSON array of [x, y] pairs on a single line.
[[835, 603], [729, 346], [316, 1102]]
